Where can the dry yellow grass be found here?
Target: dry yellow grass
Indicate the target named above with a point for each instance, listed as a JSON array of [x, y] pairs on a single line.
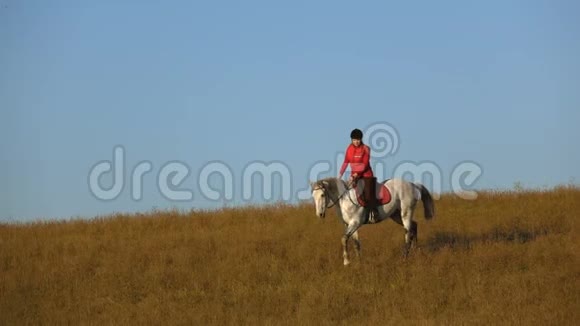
[[508, 257]]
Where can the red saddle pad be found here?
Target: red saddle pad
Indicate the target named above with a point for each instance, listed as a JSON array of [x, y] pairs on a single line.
[[383, 195]]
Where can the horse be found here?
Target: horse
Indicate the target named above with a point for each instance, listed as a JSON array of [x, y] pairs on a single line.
[[404, 196]]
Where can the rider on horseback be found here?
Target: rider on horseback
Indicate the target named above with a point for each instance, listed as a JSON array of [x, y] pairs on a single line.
[[358, 155]]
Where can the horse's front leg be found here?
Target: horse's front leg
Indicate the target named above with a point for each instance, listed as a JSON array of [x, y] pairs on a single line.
[[350, 229], [356, 243]]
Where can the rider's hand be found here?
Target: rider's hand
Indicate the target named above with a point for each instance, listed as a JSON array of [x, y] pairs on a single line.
[[350, 181]]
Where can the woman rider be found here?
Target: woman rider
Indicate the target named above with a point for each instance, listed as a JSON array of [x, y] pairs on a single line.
[[358, 156]]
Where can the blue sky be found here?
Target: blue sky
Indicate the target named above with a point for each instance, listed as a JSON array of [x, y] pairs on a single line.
[[494, 82]]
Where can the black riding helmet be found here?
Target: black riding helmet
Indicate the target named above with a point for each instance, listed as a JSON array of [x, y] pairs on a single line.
[[356, 134]]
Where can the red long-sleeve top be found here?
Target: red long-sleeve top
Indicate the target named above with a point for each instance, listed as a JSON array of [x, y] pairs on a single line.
[[359, 158]]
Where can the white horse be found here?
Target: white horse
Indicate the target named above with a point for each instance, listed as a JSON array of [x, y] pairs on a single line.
[[404, 196]]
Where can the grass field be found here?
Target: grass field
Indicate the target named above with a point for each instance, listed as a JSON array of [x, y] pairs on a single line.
[[507, 258]]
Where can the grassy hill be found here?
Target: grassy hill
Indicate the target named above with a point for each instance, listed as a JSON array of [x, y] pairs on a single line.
[[507, 257]]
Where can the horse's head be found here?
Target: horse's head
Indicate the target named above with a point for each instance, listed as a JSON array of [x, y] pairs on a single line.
[[320, 196]]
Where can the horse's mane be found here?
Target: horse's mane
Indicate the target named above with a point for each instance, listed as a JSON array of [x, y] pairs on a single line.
[[332, 185]]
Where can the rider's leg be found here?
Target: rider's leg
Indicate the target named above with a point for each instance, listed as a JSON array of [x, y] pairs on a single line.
[[371, 198]]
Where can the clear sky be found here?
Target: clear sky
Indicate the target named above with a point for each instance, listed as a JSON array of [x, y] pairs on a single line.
[[492, 82]]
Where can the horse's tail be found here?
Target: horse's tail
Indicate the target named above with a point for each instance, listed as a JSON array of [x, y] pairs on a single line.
[[428, 204]]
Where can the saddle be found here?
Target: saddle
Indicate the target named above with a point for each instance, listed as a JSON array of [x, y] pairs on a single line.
[[382, 192]]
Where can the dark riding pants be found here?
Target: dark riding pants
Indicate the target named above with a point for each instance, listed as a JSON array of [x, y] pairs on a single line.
[[370, 192]]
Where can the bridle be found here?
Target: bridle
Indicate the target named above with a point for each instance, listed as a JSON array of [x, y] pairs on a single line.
[[326, 197]]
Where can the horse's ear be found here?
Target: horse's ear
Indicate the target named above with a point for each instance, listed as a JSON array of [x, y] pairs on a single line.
[[312, 184], [325, 182]]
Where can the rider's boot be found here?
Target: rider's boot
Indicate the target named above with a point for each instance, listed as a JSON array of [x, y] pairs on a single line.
[[373, 215]]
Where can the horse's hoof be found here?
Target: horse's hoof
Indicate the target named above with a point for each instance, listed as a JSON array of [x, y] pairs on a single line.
[[346, 262]]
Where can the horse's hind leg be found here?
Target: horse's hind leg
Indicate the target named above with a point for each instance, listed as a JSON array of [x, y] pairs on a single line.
[[410, 229], [414, 233]]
